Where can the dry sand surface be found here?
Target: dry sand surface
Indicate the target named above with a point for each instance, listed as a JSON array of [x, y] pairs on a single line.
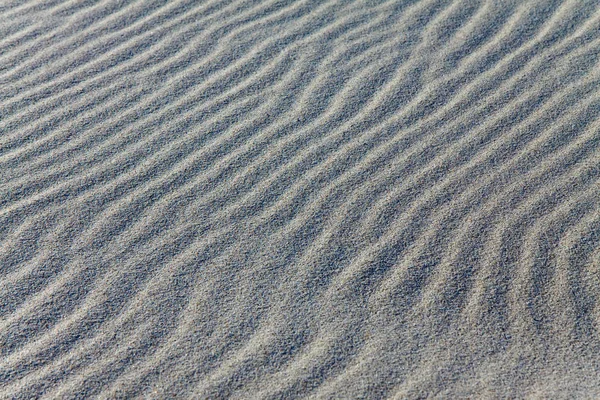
[[299, 199]]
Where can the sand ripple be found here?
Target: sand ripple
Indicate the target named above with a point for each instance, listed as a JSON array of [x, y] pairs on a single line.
[[290, 199]]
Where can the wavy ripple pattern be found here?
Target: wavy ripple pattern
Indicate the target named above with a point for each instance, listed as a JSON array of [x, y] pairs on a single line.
[[299, 199]]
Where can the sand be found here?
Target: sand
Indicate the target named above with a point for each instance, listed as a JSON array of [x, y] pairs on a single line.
[[299, 199]]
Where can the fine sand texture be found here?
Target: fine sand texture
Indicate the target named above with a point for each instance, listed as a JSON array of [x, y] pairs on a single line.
[[285, 199]]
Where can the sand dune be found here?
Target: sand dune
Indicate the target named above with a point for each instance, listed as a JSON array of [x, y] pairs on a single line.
[[299, 199]]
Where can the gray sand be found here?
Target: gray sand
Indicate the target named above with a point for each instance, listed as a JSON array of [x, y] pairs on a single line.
[[299, 199]]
